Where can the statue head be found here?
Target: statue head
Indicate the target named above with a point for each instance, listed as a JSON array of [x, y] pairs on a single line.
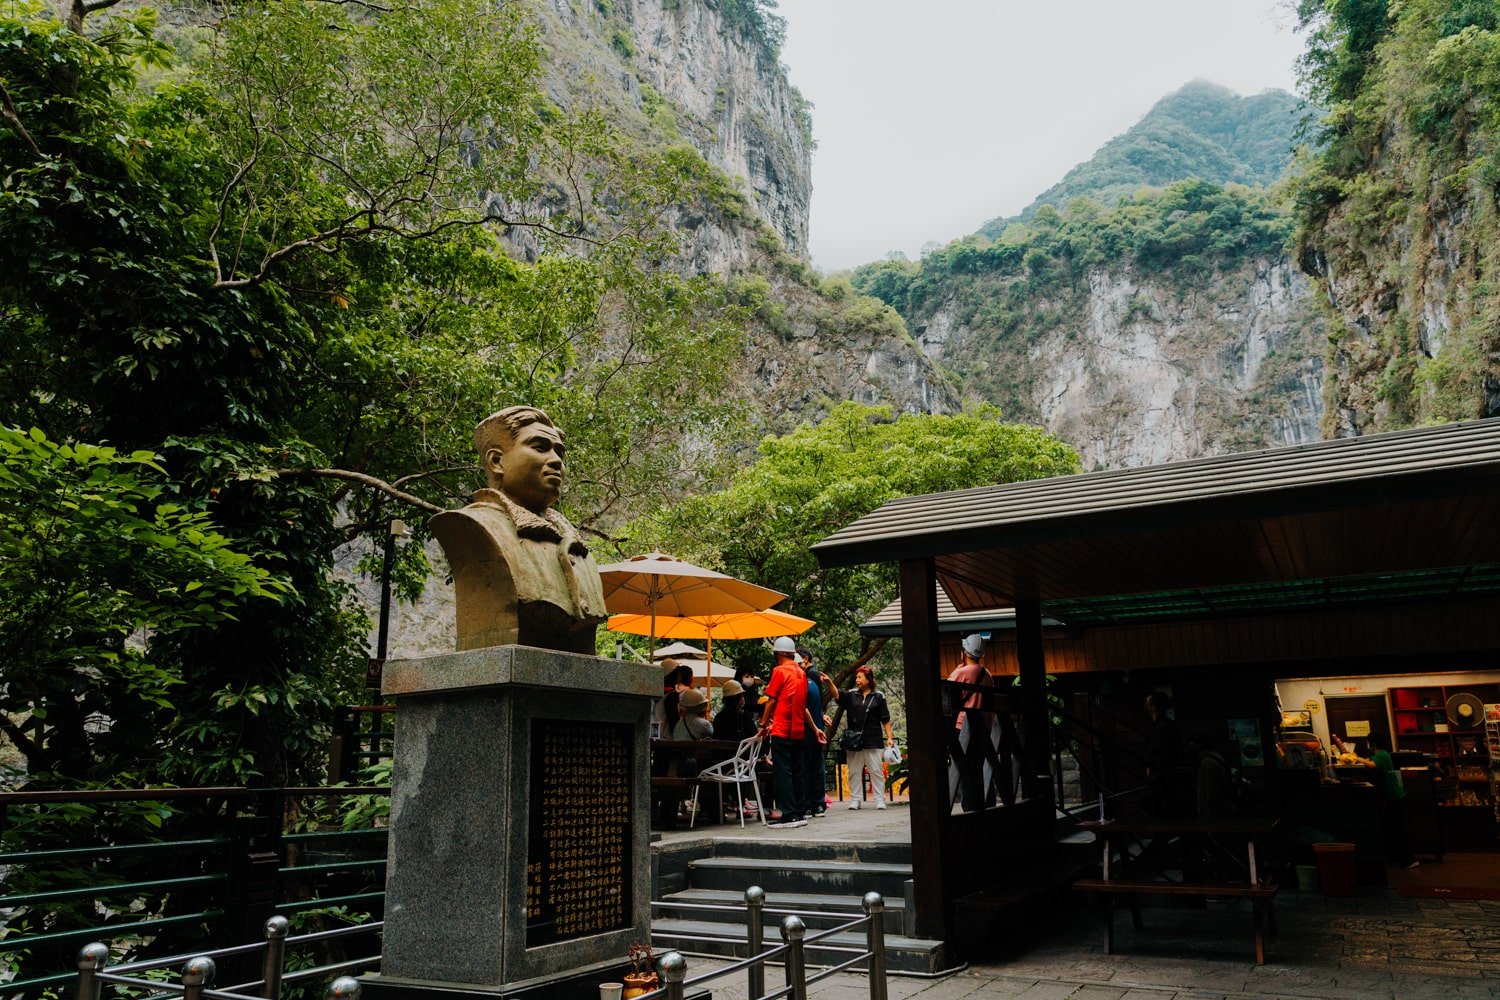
[[522, 454]]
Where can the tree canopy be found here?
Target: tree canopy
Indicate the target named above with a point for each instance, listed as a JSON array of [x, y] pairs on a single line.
[[809, 483], [1190, 229], [294, 254]]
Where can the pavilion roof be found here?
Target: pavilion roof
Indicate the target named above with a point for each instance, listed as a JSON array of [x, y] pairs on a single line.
[[1386, 516]]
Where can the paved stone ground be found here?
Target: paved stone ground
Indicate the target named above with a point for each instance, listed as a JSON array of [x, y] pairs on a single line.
[[1376, 946]]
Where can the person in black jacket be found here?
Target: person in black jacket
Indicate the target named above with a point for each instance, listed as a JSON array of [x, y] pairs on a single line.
[[868, 734], [733, 722]]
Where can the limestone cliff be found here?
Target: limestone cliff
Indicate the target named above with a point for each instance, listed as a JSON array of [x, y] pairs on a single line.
[[682, 73], [1168, 326], [1399, 220], [1132, 369]]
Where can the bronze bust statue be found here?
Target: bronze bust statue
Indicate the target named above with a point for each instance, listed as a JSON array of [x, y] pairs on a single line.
[[520, 572]]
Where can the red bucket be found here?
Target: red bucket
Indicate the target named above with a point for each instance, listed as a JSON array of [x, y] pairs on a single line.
[[1336, 872]]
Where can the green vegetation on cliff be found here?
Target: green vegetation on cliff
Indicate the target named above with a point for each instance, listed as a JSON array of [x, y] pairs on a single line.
[[1008, 294], [1397, 210], [1190, 229], [1201, 131]]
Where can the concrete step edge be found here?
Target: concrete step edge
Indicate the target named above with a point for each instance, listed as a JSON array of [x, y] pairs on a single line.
[[893, 942], [871, 868], [782, 900]]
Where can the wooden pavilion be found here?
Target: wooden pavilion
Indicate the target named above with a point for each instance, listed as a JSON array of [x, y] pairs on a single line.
[[1370, 553]]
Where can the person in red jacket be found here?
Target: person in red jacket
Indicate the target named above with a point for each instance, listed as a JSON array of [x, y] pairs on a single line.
[[785, 715]]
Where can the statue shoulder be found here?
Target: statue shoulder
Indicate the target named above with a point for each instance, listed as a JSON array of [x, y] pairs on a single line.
[[477, 527]]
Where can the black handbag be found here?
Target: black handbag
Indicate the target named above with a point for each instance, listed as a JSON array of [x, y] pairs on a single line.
[[851, 740]]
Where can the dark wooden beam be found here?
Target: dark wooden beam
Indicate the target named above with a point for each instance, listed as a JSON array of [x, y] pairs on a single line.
[[1037, 780], [927, 753]]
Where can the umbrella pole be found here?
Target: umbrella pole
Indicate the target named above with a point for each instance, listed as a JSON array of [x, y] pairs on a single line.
[[651, 642], [708, 671]]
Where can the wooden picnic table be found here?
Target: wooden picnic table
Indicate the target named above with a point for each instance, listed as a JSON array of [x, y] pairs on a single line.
[[1247, 829], [1121, 879]]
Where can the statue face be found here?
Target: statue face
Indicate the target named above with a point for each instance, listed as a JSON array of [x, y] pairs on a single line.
[[530, 471]]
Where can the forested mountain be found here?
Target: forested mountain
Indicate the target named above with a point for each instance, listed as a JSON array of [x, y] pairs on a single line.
[[1201, 131], [1397, 212], [1167, 326], [1144, 308]]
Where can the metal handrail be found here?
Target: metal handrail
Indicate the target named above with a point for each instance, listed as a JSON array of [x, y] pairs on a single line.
[[196, 979], [795, 944]]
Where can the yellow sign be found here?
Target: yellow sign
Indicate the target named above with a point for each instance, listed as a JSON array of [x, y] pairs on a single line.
[[1355, 729], [1313, 705]]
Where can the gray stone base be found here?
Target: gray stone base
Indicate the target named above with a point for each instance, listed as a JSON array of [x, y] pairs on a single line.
[[461, 813]]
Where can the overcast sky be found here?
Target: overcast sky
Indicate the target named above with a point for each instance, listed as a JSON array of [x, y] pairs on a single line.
[[934, 116]]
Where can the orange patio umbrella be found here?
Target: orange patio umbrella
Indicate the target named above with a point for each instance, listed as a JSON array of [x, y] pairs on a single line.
[[734, 625], [657, 584]]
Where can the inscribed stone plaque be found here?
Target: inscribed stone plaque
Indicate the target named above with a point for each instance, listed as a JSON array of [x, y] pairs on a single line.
[[578, 852]]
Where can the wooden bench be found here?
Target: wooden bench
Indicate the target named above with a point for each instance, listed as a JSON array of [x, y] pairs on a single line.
[[1262, 898]]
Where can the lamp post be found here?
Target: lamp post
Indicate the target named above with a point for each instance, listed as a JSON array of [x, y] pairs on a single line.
[[372, 675]]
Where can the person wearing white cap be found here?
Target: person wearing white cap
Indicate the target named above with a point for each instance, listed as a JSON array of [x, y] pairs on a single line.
[[976, 779], [785, 715]]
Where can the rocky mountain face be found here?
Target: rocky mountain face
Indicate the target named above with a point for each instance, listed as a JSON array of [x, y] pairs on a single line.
[[1400, 221], [1144, 308], [685, 71], [1132, 369], [683, 74]]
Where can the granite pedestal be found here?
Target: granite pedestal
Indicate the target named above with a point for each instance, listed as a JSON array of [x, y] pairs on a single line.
[[519, 827]]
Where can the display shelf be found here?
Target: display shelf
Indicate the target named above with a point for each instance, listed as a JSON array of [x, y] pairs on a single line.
[[1416, 714]]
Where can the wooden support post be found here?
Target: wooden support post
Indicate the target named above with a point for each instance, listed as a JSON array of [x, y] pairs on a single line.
[[1036, 780], [928, 783]]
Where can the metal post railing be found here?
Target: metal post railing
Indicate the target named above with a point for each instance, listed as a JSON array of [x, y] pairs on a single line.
[[92, 959], [275, 960], [792, 932], [755, 902], [673, 972], [874, 905], [197, 976]]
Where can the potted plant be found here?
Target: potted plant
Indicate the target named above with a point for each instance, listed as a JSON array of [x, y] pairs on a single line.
[[642, 975]]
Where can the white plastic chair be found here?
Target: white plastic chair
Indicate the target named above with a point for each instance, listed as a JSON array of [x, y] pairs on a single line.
[[736, 771]]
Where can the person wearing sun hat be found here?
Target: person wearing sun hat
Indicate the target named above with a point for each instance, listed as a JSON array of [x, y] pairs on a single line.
[[733, 722], [693, 705]]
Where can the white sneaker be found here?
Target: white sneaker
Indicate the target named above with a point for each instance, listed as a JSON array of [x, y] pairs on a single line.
[[854, 804], [880, 805]]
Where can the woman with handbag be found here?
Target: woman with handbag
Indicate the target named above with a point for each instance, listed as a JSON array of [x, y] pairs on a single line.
[[868, 733]]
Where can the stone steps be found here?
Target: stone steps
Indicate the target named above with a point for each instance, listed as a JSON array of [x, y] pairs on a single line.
[[813, 877], [754, 845], [902, 954], [837, 878], [846, 908]]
